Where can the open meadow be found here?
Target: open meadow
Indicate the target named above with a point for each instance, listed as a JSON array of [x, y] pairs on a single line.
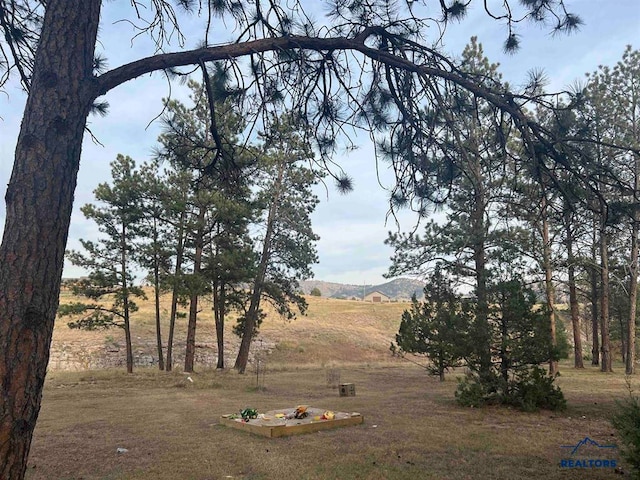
[[413, 428], [332, 332]]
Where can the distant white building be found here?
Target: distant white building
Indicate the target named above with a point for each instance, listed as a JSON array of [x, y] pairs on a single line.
[[376, 297]]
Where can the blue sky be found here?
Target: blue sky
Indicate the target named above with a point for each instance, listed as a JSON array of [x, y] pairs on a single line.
[[352, 227]]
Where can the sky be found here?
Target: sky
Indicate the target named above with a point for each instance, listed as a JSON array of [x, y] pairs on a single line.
[[352, 227]]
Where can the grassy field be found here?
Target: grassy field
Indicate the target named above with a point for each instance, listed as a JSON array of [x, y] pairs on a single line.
[[332, 332], [413, 428]]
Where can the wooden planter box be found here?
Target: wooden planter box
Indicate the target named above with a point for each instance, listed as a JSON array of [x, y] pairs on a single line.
[[347, 390], [273, 427]]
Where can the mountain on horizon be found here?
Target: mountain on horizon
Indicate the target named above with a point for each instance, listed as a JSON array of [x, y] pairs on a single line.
[[396, 289]]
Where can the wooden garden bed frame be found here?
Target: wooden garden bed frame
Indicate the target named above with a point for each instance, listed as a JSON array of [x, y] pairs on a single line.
[[273, 427]]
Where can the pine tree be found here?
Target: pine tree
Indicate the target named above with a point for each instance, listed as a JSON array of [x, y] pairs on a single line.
[[287, 246], [608, 111], [464, 172], [155, 253], [109, 260], [176, 208], [230, 262], [624, 93], [437, 327], [217, 205], [520, 342]]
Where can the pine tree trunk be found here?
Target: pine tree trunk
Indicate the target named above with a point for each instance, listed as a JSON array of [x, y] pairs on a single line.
[[125, 298], [623, 339], [575, 321], [174, 293], [219, 311], [480, 266], [548, 282], [254, 307], [595, 304], [190, 353], [482, 313], [156, 294], [127, 336], [604, 296], [39, 201], [630, 359], [504, 355], [573, 294], [249, 325], [219, 307]]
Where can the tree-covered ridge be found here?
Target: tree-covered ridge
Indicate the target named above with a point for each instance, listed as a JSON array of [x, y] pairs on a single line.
[[396, 289]]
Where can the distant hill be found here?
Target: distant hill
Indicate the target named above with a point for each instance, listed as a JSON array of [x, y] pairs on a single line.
[[398, 289]]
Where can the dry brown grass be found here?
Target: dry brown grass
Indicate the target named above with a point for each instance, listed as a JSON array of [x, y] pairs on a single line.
[[413, 428], [332, 332], [335, 332]]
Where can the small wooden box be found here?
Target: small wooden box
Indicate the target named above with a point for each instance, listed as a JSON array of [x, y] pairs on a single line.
[[347, 390]]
